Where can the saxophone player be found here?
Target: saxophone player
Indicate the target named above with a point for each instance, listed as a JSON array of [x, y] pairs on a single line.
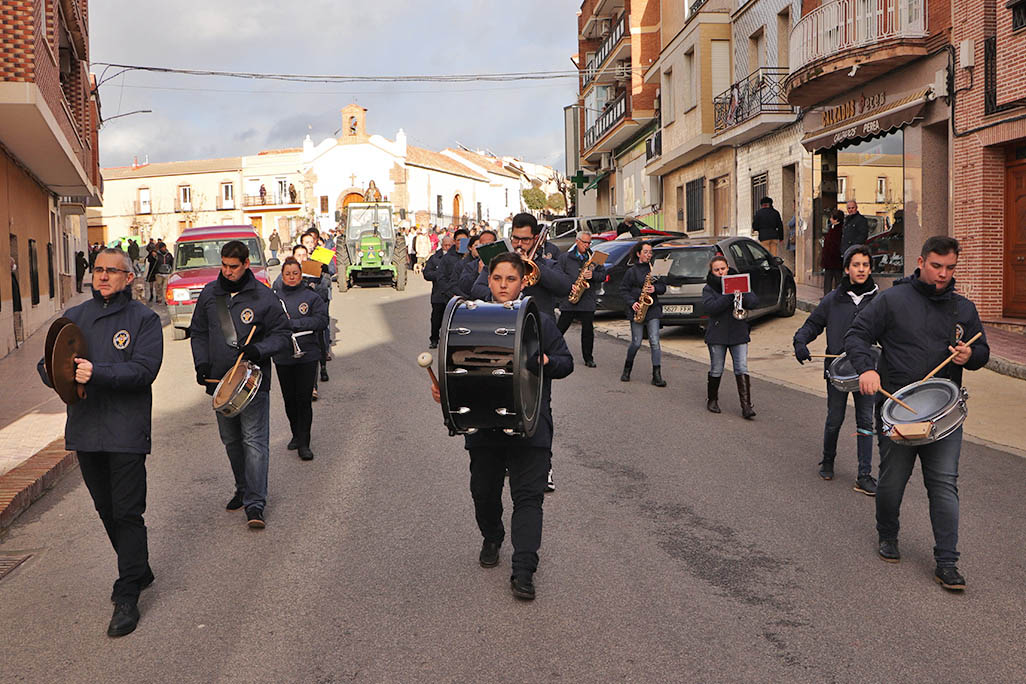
[[575, 263], [637, 284]]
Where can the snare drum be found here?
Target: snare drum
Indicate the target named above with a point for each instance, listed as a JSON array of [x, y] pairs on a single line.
[[236, 390], [490, 366], [842, 374], [940, 407]]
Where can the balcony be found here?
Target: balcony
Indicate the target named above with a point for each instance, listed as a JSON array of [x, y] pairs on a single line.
[[142, 207], [610, 47], [271, 200], [183, 206], [654, 146], [613, 113], [828, 43], [595, 16], [752, 107]]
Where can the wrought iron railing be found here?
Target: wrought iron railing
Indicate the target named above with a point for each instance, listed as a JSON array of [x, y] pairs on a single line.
[[271, 200], [695, 6], [990, 105], [846, 24], [761, 92], [654, 146], [612, 114], [616, 34]]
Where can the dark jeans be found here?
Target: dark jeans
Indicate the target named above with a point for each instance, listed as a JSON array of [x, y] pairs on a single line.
[[437, 311], [297, 383], [117, 483], [837, 405], [831, 279], [939, 462], [245, 438], [587, 319], [528, 471]]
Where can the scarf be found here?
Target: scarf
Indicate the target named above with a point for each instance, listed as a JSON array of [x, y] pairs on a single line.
[[856, 291], [233, 287]]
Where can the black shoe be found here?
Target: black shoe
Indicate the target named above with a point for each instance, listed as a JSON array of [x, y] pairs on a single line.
[[305, 453], [550, 486], [589, 363], [522, 586], [826, 470], [628, 365], [255, 518], [489, 556], [433, 345], [124, 620], [235, 503], [324, 375], [889, 550], [657, 376], [949, 578], [865, 484], [292, 445]]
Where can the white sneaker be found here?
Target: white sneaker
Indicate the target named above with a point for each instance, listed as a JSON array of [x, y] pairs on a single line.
[[550, 486]]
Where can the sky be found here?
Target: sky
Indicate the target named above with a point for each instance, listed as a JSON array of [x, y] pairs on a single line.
[[196, 117]]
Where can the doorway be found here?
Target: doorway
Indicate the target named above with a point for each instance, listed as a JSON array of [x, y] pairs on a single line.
[[457, 210], [721, 205], [1014, 304]]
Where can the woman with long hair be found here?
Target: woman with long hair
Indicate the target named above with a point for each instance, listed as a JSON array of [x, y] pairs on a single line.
[[635, 283]]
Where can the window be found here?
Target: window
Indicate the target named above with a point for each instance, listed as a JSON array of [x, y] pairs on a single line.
[[666, 98], [719, 67], [741, 259], [760, 188], [33, 272], [49, 268], [695, 204], [281, 191], [507, 198], [185, 195], [143, 202], [227, 196], [881, 189], [680, 206], [690, 98], [1018, 16], [324, 204], [66, 251], [760, 258], [842, 189], [756, 48], [784, 38], [439, 210], [478, 211]]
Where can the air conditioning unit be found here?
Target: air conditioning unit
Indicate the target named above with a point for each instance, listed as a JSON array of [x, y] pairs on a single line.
[[607, 162], [605, 27]]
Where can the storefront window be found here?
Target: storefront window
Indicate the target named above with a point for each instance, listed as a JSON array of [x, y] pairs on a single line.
[[872, 174]]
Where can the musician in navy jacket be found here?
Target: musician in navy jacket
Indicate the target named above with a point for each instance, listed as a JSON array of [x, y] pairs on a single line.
[[308, 319], [572, 262], [724, 332], [110, 426], [438, 270], [631, 288], [471, 268], [493, 453], [247, 303]]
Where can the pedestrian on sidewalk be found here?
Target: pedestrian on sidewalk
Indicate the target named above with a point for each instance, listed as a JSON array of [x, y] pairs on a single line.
[[856, 227], [723, 332], [918, 322], [831, 258], [637, 281], [274, 243], [81, 265], [164, 264], [110, 426], [151, 272], [767, 224], [227, 311], [835, 314]]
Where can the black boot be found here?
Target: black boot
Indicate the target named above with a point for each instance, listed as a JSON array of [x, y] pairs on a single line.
[[826, 468], [713, 393], [627, 366], [744, 393], [657, 376]]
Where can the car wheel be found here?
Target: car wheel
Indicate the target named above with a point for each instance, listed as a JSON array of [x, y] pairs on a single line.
[[789, 302]]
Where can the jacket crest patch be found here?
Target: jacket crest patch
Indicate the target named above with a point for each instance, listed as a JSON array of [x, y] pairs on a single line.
[[303, 308], [246, 316], [122, 339]]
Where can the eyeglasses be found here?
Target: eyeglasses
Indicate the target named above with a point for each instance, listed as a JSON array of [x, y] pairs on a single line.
[[514, 238], [584, 242], [100, 270]]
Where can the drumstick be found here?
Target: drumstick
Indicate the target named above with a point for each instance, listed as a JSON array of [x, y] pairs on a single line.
[[897, 401], [953, 355], [425, 360], [231, 373]]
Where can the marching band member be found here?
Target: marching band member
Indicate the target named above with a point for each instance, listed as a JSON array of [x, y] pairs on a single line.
[[835, 313], [724, 331], [110, 427], [308, 313], [493, 453], [311, 240], [637, 281], [226, 310], [918, 323], [322, 286], [438, 271], [572, 262], [473, 266]]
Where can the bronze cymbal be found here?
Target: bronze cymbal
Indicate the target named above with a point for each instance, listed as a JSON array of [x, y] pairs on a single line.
[[51, 336], [69, 343]]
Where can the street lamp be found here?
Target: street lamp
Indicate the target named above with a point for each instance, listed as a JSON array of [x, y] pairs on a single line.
[[118, 116]]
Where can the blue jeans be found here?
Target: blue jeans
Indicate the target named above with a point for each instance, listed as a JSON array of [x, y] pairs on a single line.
[[718, 357], [939, 462], [837, 405], [637, 330], [245, 438]]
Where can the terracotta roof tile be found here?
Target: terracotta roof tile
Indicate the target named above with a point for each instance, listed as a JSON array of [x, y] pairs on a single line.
[[418, 156], [173, 168], [493, 164]]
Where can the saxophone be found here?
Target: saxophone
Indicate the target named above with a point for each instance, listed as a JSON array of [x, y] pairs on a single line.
[[531, 272], [645, 300], [581, 284]]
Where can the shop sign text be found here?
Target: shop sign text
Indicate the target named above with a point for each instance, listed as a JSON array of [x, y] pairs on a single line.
[[853, 107]]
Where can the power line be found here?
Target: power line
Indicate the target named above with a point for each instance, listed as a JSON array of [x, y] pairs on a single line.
[[342, 92]]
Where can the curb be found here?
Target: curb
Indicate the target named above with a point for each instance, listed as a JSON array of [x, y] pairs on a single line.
[[24, 484]]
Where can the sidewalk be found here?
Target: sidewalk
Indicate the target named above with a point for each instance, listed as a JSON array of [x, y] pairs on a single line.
[[995, 400]]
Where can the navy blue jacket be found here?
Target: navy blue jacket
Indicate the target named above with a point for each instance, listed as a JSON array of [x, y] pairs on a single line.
[[254, 305], [322, 287], [439, 270], [914, 324], [468, 274], [551, 251], [553, 285], [835, 313], [560, 365], [307, 311], [854, 232], [126, 347], [630, 290], [722, 327], [571, 262]]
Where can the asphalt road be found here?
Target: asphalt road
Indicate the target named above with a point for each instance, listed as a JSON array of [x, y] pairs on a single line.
[[679, 546]]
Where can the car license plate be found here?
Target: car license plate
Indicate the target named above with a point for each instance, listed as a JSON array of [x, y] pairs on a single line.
[[679, 309]]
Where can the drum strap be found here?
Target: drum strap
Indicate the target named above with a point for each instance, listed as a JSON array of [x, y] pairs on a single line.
[[224, 317]]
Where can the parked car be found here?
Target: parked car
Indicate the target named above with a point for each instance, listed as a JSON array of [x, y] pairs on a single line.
[[198, 262], [772, 281], [608, 293], [646, 233]]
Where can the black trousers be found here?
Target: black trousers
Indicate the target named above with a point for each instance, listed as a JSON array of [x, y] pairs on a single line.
[[297, 383], [831, 279], [437, 311], [528, 472], [117, 483], [587, 319]]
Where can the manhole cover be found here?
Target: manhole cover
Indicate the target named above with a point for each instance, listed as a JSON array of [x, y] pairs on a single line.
[[10, 563]]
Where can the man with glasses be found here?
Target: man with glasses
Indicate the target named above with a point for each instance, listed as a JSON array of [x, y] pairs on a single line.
[[110, 426], [571, 263]]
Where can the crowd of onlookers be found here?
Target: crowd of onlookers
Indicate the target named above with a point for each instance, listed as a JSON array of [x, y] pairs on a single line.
[[423, 241]]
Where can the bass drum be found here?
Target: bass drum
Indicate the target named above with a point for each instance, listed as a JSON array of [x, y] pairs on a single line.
[[490, 366]]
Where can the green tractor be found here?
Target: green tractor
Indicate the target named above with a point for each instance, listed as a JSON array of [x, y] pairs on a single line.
[[372, 251]]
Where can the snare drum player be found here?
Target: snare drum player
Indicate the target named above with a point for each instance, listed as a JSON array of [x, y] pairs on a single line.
[[492, 452], [835, 314], [308, 313], [225, 312], [919, 322], [110, 427]]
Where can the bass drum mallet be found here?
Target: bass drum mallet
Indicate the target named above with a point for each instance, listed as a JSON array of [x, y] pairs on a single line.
[[424, 361]]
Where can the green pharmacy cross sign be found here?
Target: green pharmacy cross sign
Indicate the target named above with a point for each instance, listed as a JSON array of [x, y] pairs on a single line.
[[579, 179]]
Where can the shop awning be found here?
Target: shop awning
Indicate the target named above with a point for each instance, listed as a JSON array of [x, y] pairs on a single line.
[[594, 183], [872, 124]]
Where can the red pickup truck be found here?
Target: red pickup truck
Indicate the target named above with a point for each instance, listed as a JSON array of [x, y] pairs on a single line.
[[198, 261]]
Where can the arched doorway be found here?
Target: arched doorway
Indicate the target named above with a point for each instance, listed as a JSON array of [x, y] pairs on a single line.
[[346, 198], [457, 210]]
